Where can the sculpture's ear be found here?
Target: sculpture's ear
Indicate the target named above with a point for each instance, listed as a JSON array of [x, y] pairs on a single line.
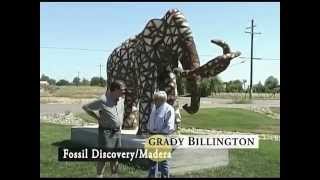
[[153, 31]]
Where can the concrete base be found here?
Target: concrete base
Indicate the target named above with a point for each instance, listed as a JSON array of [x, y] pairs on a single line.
[[186, 160], [88, 136], [182, 161]]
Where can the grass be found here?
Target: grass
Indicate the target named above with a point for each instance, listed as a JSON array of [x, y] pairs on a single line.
[[231, 119], [227, 119], [262, 162], [77, 92], [51, 137]]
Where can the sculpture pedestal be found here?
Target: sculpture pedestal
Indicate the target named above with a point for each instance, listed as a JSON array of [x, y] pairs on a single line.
[[182, 161]]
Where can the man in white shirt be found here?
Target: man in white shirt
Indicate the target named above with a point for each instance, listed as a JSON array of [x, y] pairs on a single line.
[[161, 121]]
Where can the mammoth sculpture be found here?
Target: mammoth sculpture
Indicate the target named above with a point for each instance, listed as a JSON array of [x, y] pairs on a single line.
[[149, 62]]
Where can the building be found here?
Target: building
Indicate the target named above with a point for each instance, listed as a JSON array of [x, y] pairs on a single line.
[[44, 84]]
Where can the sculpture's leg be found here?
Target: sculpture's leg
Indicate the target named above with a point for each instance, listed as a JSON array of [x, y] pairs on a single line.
[[130, 110], [171, 88], [126, 73], [144, 114], [147, 84], [172, 92]]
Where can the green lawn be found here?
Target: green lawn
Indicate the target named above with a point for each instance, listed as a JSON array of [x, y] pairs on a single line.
[[263, 162], [231, 119], [228, 119], [51, 137]]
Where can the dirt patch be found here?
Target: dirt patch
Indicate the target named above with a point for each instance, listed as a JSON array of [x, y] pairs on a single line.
[[265, 110]]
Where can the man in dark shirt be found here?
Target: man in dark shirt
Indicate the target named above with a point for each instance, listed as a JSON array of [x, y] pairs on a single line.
[[109, 110]]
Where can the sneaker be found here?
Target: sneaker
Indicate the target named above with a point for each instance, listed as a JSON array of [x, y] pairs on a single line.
[[100, 176]]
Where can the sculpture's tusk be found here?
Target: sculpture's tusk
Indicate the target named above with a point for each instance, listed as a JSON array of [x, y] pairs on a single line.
[[223, 45]]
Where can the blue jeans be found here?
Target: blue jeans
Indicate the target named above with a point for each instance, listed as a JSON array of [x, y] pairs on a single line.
[[163, 167]]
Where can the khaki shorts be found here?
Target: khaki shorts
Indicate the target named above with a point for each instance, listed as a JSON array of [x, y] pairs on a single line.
[[108, 139]]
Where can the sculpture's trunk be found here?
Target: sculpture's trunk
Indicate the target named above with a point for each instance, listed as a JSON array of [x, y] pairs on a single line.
[[190, 61]]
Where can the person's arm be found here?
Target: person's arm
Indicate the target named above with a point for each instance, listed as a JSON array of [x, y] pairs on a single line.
[[168, 126], [150, 125], [92, 109]]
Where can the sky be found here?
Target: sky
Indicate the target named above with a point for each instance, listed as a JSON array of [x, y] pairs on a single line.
[[78, 37]]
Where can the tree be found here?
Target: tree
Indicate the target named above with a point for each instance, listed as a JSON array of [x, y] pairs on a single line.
[[44, 78], [227, 85], [277, 89], [215, 85], [76, 81], [205, 88], [259, 88], [85, 82], [96, 81], [237, 84], [234, 86], [52, 82], [244, 83], [103, 82], [48, 79], [62, 82], [224, 86], [271, 83]]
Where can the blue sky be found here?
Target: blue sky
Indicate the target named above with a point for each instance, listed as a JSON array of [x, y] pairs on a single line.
[[101, 27]]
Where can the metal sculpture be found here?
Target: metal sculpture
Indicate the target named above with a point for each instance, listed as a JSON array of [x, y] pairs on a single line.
[[149, 62]]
